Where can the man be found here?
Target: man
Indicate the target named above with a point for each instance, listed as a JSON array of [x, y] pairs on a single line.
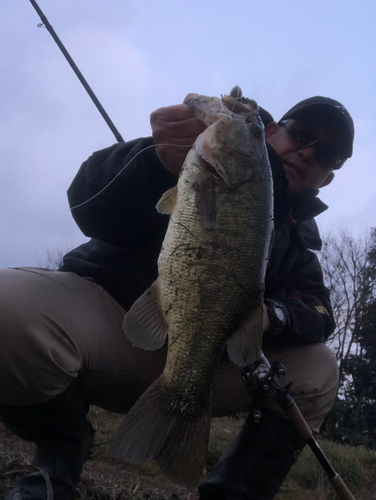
[[62, 343]]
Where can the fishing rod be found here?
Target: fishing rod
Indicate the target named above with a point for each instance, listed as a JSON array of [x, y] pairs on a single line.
[[80, 76], [260, 380]]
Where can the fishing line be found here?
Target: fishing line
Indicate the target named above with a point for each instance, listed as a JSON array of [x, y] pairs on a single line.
[[116, 176], [122, 170], [236, 93]]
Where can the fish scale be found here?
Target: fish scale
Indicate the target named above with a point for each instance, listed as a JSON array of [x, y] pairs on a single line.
[[209, 291]]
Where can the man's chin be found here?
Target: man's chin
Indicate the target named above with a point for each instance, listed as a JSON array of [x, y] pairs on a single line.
[[293, 188]]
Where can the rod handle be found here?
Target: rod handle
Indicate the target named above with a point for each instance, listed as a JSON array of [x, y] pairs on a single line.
[[342, 490], [296, 418]]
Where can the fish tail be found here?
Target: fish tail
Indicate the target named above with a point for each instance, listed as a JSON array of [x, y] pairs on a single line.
[[156, 429]]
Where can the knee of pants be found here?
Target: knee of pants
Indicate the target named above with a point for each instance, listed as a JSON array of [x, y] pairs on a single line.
[[36, 361], [313, 372]]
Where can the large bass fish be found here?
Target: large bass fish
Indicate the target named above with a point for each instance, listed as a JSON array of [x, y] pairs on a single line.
[[209, 292]]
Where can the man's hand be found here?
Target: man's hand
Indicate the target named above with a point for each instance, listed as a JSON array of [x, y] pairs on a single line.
[[174, 131], [266, 324]]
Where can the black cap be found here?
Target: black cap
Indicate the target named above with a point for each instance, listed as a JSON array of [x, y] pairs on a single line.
[[319, 106], [265, 116]]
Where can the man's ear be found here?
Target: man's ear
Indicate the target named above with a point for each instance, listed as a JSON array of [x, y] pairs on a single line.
[[328, 180], [271, 129]]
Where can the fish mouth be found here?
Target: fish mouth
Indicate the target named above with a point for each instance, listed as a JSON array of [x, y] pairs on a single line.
[[208, 167]]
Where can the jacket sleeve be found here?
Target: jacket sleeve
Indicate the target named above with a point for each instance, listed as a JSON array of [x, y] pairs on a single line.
[[307, 303], [114, 193]]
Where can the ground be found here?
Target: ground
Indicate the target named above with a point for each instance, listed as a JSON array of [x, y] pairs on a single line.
[[105, 478]]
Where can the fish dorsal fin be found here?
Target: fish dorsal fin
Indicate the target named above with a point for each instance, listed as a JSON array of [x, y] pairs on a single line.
[[144, 324], [168, 200], [244, 346], [205, 201]]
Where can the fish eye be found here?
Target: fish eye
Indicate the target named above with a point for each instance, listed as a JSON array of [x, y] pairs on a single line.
[[255, 129]]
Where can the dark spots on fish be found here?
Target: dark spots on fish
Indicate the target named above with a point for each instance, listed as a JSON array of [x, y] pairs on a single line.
[[180, 224], [168, 309], [175, 251], [148, 292], [255, 130], [176, 291], [197, 252]]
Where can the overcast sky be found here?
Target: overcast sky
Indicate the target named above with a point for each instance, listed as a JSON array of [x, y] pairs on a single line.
[[138, 55]]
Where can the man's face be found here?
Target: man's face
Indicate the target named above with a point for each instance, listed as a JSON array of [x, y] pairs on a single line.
[[303, 170]]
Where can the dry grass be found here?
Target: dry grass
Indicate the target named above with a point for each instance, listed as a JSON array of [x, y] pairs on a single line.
[[104, 478]]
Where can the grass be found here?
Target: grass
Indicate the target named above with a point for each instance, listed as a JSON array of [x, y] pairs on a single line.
[[104, 478]]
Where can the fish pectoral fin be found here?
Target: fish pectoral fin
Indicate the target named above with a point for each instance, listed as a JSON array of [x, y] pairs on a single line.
[[144, 324], [205, 201], [168, 200], [244, 346]]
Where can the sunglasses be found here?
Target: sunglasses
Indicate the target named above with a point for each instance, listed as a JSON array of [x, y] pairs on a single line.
[[326, 154]]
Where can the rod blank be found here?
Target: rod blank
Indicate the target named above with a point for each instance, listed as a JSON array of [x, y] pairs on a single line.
[[77, 71]]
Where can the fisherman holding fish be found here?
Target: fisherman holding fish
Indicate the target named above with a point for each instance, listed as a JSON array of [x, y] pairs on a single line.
[[67, 342]]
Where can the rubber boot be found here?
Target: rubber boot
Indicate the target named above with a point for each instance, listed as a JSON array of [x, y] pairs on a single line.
[[63, 439], [257, 461]]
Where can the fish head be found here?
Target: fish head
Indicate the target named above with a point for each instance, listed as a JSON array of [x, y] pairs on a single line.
[[233, 148]]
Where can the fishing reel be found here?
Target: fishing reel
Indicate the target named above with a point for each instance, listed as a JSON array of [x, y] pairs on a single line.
[[261, 382]]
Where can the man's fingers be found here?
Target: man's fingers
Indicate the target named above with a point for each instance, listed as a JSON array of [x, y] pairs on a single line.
[[175, 121], [175, 113], [188, 128], [174, 130], [266, 321], [189, 97]]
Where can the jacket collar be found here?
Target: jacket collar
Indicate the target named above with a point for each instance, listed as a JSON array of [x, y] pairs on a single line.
[[302, 207]]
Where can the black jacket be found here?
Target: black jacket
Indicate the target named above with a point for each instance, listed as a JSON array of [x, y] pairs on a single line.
[[127, 233]]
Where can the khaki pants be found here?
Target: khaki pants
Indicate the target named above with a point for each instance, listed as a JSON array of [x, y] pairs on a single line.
[[57, 327]]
